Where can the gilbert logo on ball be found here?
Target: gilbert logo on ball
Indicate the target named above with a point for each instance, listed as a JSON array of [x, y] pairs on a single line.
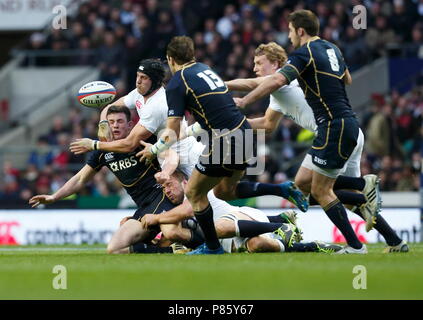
[[96, 94]]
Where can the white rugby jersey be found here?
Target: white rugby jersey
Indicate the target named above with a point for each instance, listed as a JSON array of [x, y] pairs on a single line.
[[290, 101], [153, 116]]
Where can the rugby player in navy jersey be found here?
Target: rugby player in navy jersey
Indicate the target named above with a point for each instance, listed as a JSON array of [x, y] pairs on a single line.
[[136, 177], [322, 74], [289, 100], [196, 88]]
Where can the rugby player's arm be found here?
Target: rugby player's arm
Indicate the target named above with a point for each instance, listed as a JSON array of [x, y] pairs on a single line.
[[73, 185], [177, 214], [169, 165], [172, 132], [129, 144], [269, 121], [244, 84], [120, 103], [347, 77], [266, 87]]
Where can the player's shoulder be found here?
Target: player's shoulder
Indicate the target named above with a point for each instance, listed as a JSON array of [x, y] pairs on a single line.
[[175, 81]]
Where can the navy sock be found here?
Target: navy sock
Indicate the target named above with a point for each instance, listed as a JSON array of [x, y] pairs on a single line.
[[195, 241], [344, 182], [205, 220], [346, 197], [141, 247], [249, 229], [302, 247], [384, 229], [337, 214], [245, 189], [278, 219]]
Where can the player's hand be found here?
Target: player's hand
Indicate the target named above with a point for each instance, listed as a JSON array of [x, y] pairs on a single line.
[[162, 177], [80, 146], [104, 133], [149, 220], [41, 199], [239, 102], [146, 154], [124, 220]]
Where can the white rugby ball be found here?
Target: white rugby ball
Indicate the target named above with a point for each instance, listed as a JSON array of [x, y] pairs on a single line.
[[96, 94]]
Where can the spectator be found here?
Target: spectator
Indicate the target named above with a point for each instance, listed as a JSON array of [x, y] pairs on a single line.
[[42, 155]]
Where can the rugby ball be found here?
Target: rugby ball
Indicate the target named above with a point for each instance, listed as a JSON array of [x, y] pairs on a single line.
[[96, 94]]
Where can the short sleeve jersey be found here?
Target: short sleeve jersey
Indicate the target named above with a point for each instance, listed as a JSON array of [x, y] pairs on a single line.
[[290, 101], [136, 177], [201, 91], [152, 113], [320, 67]]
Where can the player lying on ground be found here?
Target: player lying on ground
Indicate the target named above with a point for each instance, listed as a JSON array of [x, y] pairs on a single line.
[[289, 100], [239, 229]]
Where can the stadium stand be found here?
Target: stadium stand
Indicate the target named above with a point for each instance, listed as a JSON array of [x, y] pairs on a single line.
[[114, 36]]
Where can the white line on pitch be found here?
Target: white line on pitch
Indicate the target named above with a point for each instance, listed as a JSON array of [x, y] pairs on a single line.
[[52, 249]]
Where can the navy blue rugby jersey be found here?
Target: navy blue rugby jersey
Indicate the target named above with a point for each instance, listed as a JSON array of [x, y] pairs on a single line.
[[136, 177], [201, 91], [320, 67]]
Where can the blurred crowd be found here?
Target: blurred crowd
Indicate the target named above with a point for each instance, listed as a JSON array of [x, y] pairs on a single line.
[[116, 35]]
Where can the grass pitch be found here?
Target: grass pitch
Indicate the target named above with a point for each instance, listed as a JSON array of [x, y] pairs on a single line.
[[27, 273]]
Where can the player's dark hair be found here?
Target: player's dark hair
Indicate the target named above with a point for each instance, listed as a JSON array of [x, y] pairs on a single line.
[[118, 109], [305, 19], [181, 49]]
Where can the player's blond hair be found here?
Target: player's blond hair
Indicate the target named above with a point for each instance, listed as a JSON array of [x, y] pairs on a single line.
[[273, 52]]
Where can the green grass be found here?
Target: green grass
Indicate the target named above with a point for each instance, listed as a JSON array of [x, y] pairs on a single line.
[[92, 274]]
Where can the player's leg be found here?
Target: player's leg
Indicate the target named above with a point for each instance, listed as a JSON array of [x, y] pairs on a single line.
[[303, 181], [369, 185], [175, 232], [196, 191], [264, 244], [303, 178], [322, 191], [129, 233], [247, 189]]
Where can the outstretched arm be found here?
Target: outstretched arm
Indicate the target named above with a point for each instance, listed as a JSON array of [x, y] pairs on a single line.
[[73, 185], [166, 140], [266, 87], [269, 121], [244, 84], [173, 216], [129, 144]]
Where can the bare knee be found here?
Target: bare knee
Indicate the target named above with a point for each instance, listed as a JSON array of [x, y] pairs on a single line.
[[225, 228], [172, 234], [303, 184], [112, 249], [255, 245]]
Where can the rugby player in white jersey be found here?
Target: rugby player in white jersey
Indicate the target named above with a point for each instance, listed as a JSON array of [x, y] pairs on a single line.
[[149, 100], [289, 101]]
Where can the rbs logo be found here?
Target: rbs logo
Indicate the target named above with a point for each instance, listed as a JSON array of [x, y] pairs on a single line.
[[123, 164]]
